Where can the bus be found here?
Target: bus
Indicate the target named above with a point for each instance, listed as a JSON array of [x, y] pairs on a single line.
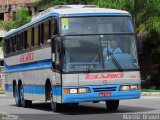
[[63, 56]]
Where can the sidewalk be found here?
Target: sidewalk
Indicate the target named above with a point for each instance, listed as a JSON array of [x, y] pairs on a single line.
[[149, 93]]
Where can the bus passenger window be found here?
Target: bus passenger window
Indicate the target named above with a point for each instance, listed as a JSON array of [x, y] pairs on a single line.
[[46, 31], [29, 38], [39, 35], [8, 46], [49, 29], [13, 44], [32, 40], [25, 39], [36, 35], [22, 41], [18, 42], [54, 27], [42, 33]]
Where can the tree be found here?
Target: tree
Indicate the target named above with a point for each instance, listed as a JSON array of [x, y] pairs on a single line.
[[146, 18], [22, 17]]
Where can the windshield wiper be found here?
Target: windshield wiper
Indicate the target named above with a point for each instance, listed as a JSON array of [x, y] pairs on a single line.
[[115, 61]]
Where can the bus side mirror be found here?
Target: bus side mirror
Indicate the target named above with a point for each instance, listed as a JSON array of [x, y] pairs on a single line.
[[57, 47]]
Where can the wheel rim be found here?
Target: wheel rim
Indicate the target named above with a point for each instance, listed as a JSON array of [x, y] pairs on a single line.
[[52, 103], [22, 95], [16, 95]]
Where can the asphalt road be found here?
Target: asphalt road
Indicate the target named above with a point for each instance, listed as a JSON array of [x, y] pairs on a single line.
[[128, 110]]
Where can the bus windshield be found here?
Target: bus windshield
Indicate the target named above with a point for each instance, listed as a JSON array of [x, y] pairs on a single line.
[[96, 25], [100, 52]]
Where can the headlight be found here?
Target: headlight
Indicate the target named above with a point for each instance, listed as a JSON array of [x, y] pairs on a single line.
[[133, 87], [73, 91], [130, 87], [125, 88], [83, 90]]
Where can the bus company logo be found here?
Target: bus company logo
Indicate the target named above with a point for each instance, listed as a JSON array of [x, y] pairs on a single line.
[[104, 76], [26, 57]]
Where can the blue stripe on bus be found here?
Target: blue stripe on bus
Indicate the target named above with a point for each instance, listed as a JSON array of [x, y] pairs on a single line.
[[36, 89], [29, 66], [96, 14]]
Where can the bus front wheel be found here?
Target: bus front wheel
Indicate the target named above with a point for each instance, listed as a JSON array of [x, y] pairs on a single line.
[[112, 104], [54, 106]]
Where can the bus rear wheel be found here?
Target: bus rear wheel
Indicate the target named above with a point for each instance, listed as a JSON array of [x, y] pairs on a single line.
[[25, 103], [17, 97], [112, 104], [56, 107]]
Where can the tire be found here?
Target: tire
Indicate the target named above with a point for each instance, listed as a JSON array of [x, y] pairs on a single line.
[[17, 97], [25, 103], [56, 107], [112, 104]]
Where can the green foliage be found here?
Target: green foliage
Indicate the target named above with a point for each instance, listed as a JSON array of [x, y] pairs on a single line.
[[153, 24], [50, 3], [22, 17], [7, 25], [118, 4]]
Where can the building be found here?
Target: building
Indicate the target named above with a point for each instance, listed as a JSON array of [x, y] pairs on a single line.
[[8, 10]]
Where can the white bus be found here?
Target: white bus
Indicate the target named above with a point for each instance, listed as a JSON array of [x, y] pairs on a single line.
[[73, 54]]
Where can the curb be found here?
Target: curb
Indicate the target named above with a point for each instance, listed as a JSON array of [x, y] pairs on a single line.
[[150, 93]]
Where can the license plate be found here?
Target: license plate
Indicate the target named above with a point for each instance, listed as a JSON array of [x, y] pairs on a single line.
[[105, 94]]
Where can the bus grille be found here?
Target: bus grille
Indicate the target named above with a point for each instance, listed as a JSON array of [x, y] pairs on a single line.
[[104, 89]]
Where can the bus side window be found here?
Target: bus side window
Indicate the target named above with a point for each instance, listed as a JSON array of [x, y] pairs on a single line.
[[36, 36], [25, 39], [42, 33], [8, 46], [46, 31], [22, 40], [54, 31], [29, 38], [50, 28], [5, 46], [19, 42], [32, 40], [13, 43], [39, 35], [54, 27]]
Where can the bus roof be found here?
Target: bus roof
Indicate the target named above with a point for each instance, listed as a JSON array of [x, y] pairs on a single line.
[[69, 10]]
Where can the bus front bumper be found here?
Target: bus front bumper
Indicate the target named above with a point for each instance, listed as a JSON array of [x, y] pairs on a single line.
[[96, 96]]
